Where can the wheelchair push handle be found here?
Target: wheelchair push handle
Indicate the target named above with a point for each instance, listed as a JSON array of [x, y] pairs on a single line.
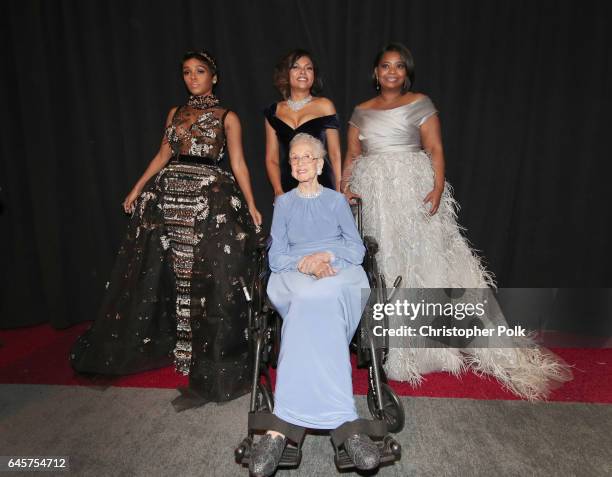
[[356, 203], [396, 283]]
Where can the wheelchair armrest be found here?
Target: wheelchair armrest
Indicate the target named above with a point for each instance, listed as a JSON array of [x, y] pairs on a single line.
[[371, 245]]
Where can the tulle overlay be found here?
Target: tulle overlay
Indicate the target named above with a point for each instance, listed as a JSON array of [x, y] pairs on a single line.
[[431, 252]]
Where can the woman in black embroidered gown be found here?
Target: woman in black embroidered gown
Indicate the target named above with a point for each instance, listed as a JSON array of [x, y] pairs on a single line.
[[296, 78], [174, 293]]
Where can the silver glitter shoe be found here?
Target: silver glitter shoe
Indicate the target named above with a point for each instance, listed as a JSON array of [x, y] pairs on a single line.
[[363, 451], [267, 455]]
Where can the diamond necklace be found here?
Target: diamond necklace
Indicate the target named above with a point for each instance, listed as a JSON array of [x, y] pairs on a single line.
[[299, 104]]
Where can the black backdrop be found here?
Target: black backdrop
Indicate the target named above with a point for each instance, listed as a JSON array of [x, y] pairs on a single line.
[[522, 87]]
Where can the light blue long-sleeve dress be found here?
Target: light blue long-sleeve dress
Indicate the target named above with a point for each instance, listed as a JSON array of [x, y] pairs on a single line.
[[313, 386]]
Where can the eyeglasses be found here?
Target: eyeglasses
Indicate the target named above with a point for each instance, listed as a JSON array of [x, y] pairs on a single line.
[[305, 159]]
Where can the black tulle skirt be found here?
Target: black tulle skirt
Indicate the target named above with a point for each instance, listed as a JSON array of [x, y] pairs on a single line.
[[175, 293]]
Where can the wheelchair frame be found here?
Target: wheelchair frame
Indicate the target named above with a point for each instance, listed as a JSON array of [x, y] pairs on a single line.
[[264, 326]]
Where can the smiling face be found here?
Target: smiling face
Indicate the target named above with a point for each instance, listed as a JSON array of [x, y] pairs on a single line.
[[301, 74], [391, 71], [197, 77], [304, 163]]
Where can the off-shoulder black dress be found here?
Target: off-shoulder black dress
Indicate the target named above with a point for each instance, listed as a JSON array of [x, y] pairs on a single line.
[[316, 127]]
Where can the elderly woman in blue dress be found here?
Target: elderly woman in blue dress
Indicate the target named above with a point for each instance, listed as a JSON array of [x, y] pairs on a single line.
[[316, 283]]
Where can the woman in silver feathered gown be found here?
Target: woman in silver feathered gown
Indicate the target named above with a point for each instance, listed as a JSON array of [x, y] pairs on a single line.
[[395, 162]]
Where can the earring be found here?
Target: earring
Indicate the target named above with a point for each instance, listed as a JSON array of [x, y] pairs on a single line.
[[319, 171], [377, 84], [406, 84]]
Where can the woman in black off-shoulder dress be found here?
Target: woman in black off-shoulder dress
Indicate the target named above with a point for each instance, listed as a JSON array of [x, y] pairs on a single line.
[[174, 293], [297, 80]]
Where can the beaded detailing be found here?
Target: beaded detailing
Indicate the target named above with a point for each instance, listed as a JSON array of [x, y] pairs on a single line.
[[197, 133], [182, 206], [309, 195], [203, 102]]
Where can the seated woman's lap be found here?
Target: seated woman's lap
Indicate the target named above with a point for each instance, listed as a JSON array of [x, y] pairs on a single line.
[[314, 387], [289, 291]]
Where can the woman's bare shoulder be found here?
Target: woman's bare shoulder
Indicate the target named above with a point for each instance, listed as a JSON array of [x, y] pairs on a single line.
[[368, 104], [325, 105]]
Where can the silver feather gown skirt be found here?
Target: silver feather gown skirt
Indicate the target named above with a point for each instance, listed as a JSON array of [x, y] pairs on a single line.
[[431, 252]]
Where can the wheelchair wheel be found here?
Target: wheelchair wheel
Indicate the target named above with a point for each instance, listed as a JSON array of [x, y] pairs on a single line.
[[264, 400], [393, 410]]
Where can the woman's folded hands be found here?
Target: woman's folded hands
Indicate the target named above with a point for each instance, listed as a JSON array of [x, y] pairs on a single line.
[[317, 264]]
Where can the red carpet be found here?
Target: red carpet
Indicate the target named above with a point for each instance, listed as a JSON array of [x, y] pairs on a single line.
[[39, 355]]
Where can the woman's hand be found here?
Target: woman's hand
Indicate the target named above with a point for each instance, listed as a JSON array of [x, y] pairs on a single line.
[[309, 263], [278, 192], [434, 197], [157, 164], [255, 215], [324, 269], [130, 201]]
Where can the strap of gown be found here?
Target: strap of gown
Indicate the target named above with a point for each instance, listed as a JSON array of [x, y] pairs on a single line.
[[423, 109], [269, 112], [355, 118], [175, 154], [332, 122], [224, 116]]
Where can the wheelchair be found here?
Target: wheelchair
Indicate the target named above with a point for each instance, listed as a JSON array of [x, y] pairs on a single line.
[[264, 330]]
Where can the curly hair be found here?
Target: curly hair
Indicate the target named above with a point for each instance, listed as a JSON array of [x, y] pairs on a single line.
[[282, 68], [316, 145]]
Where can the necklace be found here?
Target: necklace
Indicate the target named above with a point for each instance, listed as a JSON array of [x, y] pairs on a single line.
[[299, 104], [309, 195], [203, 102]]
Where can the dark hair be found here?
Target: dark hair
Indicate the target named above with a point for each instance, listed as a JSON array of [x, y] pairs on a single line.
[[406, 58], [282, 68], [203, 56]]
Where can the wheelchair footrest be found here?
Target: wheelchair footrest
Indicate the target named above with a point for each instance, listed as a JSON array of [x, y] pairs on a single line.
[[292, 456], [390, 451]]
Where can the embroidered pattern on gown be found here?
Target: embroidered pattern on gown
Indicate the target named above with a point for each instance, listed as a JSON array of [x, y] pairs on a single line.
[[316, 127], [393, 175], [174, 293]]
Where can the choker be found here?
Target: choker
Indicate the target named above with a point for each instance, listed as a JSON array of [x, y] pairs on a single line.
[[299, 104], [310, 195], [203, 102]]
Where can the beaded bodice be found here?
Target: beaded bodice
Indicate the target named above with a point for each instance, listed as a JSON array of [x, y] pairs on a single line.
[[197, 130]]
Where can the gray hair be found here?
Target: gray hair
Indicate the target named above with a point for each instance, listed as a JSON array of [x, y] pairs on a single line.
[[317, 146]]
